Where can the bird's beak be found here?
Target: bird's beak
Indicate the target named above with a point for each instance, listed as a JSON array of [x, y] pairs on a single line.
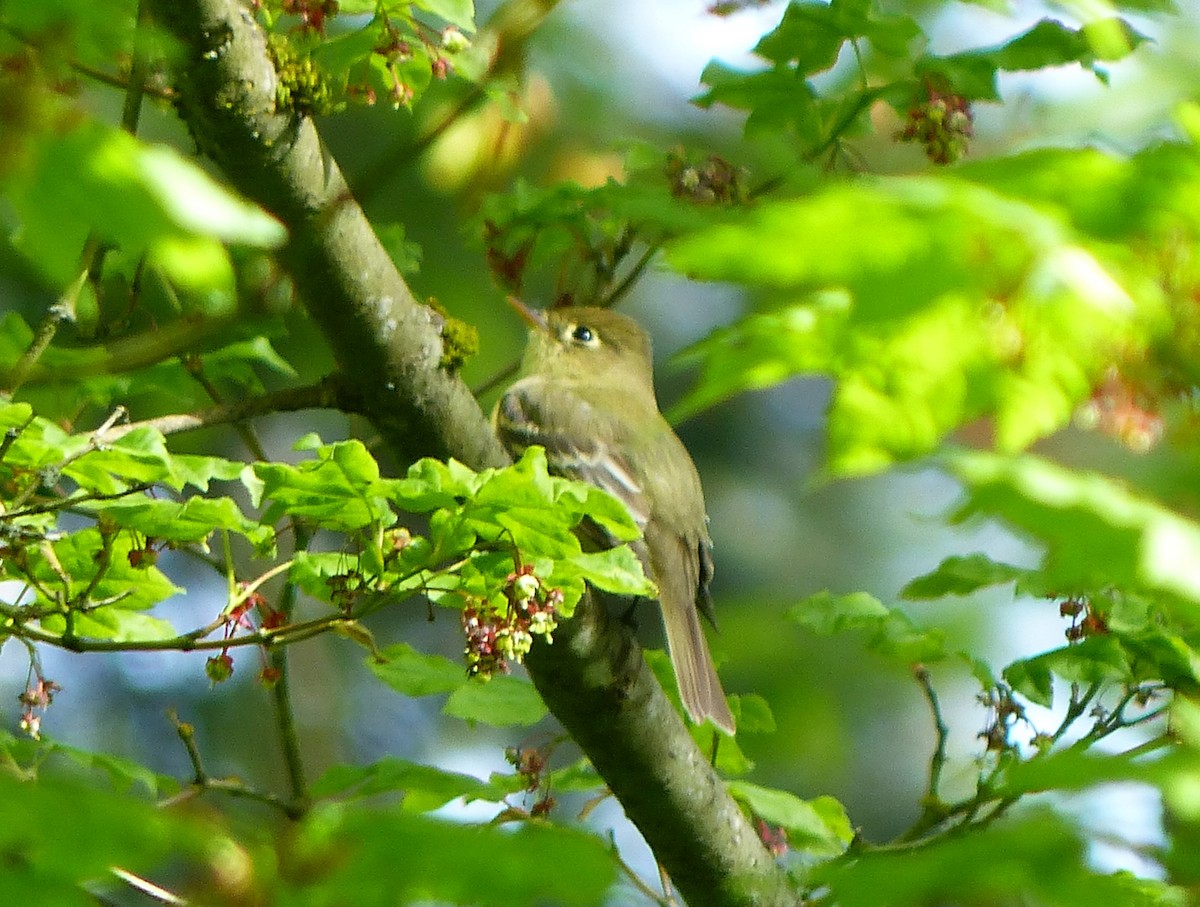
[[535, 318]]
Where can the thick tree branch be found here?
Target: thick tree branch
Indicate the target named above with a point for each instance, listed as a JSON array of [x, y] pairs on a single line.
[[593, 678], [596, 682], [386, 343]]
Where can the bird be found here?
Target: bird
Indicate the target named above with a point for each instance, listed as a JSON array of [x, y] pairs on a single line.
[[585, 393]]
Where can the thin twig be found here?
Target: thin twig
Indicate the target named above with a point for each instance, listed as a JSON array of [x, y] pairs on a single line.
[[635, 273], [934, 811], [62, 310], [285, 714], [186, 642], [201, 781], [195, 367], [503, 375], [138, 70], [638, 883], [322, 395], [67, 503]]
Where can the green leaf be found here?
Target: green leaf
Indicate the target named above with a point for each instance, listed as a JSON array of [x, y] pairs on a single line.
[[340, 489], [499, 702], [1034, 859], [356, 850], [424, 787], [77, 559], [59, 836], [456, 12], [1031, 678], [138, 197], [754, 715], [414, 673], [615, 570], [141, 456], [1097, 659], [193, 520], [1048, 43], [893, 632], [820, 826], [125, 774], [826, 614], [810, 35], [1098, 534], [891, 299], [962, 576], [1078, 769]]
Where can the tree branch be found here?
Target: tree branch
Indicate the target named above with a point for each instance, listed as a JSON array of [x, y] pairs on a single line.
[[387, 344], [389, 347]]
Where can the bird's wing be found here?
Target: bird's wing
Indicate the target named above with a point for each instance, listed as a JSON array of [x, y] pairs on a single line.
[[521, 421]]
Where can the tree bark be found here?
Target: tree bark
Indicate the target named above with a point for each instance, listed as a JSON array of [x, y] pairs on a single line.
[[389, 346]]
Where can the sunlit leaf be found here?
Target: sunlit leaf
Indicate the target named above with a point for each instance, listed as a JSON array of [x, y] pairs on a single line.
[[1098, 534], [500, 702], [818, 826], [413, 673], [424, 787]]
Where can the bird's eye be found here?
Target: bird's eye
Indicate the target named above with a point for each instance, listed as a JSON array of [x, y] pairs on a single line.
[[583, 334]]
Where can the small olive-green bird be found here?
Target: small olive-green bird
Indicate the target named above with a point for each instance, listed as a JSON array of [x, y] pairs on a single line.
[[586, 394]]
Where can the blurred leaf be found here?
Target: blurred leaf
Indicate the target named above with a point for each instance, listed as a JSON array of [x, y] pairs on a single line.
[[931, 305], [1077, 769], [810, 35], [499, 702], [893, 632], [754, 715], [961, 576], [405, 255], [456, 12], [1098, 534], [125, 774], [424, 787], [1048, 43], [825, 614], [819, 827], [353, 855], [136, 196], [1034, 859], [414, 673], [59, 836]]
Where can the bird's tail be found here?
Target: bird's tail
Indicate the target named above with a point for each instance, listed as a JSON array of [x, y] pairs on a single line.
[[699, 687]]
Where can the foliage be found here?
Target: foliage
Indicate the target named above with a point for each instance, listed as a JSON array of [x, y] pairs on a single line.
[[960, 313]]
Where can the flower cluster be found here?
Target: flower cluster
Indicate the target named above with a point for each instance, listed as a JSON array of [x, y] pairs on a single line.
[[219, 667], [943, 123], [1085, 620], [1123, 411], [712, 181], [36, 698], [1004, 712], [532, 764], [494, 639], [313, 14]]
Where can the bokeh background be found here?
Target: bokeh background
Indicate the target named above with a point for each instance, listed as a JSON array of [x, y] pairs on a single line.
[[603, 74]]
